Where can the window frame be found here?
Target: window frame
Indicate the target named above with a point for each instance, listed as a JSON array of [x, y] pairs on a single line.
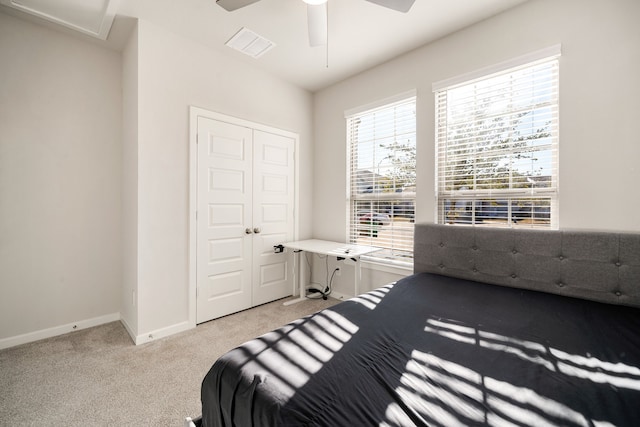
[[537, 202], [394, 204]]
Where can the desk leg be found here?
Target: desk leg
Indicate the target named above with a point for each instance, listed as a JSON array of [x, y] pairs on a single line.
[[298, 274]]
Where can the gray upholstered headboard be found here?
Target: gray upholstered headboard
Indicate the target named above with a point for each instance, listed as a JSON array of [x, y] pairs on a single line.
[[600, 266]]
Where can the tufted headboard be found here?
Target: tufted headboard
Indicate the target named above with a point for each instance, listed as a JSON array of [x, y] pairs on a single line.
[[600, 266]]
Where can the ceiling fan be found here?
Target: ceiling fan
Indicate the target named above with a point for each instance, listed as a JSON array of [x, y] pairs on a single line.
[[317, 14]]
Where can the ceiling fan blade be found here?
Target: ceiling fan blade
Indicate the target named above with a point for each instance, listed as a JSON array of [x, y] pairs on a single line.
[[399, 5], [231, 5], [317, 23]]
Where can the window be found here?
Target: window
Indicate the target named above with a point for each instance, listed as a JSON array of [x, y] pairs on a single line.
[[497, 148], [382, 177]]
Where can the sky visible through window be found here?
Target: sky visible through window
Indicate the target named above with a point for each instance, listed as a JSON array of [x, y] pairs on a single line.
[[386, 143]]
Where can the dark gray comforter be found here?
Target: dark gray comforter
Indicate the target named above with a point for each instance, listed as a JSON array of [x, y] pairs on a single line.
[[433, 350]]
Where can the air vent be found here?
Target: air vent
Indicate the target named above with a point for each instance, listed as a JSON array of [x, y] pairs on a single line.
[[250, 43]]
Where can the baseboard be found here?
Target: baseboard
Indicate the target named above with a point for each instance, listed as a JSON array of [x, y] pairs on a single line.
[[340, 296], [161, 333], [57, 330], [130, 331]]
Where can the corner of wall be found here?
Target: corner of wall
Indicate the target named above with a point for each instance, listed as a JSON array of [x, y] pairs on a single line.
[[129, 300]]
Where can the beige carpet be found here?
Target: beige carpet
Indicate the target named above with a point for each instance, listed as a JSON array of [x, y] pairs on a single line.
[[97, 377]]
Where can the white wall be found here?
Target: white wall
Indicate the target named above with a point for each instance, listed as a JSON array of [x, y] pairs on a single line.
[[94, 173], [175, 73], [60, 167], [599, 99]]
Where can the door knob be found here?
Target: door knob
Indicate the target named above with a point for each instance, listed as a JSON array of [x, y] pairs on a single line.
[[248, 231], [257, 230]]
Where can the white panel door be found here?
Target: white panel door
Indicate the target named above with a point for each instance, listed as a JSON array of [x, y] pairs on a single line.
[[273, 214], [224, 248], [245, 206]]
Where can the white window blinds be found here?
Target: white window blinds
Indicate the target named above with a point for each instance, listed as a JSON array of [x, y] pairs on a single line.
[[497, 148], [382, 178]]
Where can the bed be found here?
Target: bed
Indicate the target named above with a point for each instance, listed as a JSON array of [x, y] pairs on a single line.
[[495, 327]]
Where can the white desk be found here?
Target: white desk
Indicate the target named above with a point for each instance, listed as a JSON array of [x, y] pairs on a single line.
[[323, 247]]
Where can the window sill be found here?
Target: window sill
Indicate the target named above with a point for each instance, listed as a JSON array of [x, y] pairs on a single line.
[[388, 266]]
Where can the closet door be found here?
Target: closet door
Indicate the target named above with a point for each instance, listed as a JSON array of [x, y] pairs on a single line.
[[273, 214], [245, 206], [224, 222]]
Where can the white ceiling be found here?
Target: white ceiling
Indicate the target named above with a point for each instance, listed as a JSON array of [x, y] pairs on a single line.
[[361, 34]]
